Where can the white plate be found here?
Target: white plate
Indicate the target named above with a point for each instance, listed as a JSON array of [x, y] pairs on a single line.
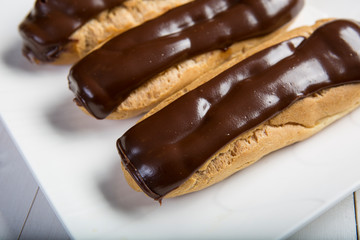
[[76, 163]]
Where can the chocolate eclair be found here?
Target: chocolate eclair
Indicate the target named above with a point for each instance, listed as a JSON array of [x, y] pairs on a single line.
[[63, 31], [274, 98], [134, 71]]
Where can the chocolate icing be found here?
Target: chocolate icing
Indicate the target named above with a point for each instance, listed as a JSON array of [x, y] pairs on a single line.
[[103, 79], [164, 150], [47, 28], [171, 22]]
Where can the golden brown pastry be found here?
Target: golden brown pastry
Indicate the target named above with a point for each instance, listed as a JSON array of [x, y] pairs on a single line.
[[276, 97], [136, 70]]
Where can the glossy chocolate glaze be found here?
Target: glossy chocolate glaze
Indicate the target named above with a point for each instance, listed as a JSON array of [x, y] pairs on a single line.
[[103, 79], [47, 28], [164, 150], [171, 22]]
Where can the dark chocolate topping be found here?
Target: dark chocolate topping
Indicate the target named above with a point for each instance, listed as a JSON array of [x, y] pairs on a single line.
[[164, 150], [171, 22], [47, 28], [106, 77]]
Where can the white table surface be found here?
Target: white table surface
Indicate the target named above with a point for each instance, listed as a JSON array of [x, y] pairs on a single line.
[[74, 160]]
